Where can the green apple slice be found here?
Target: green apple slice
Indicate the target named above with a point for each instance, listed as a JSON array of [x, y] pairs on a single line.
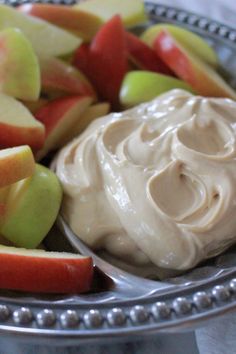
[[32, 207], [143, 86], [131, 11], [46, 39], [187, 39], [19, 69]]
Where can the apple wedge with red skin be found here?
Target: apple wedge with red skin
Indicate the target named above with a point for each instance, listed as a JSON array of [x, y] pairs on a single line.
[[44, 272], [190, 68], [145, 57], [59, 77], [59, 117], [81, 60], [18, 126], [80, 22], [108, 62]]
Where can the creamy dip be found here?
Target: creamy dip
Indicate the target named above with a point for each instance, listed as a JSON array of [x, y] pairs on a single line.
[[157, 183]]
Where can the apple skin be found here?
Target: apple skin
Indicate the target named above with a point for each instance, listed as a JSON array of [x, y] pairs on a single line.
[[31, 209], [153, 84], [132, 12], [60, 78], [19, 70], [19, 128], [203, 79], [187, 39], [108, 55], [79, 22], [145, 57], [46, 39], [16, 164], [44, 272]]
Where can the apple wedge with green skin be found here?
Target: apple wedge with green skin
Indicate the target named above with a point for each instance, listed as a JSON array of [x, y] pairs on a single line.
[[44, 272], [18, 126], [93, 112], [46, 39], [19, 69], [188, 67], [132, 12], [16, 164], [77, 21], [142, 86], [31, 209], [59, 78], [187, 39], [59, 118]]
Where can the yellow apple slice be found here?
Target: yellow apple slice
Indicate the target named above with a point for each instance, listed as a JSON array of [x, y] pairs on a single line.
[[18, 126], [46, 39], [132, 11], [16, 164], [19, 68]]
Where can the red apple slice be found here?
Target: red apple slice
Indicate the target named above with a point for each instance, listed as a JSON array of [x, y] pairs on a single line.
[[44, 272], [58, 76], [18, 126], [108, 60], [190, 68], [15, 164], [81, 59], [59, 117], [78, 21], [145, 57]]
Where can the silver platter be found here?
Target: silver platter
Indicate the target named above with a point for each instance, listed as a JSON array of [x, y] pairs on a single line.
[[203, 293]]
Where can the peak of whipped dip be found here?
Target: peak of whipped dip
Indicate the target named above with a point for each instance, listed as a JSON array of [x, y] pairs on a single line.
[[157, 183]]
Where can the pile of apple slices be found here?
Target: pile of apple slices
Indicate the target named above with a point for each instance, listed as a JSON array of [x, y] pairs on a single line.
[[30, 198]]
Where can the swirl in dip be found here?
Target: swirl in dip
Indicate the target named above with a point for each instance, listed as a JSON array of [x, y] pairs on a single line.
[[155, 184]]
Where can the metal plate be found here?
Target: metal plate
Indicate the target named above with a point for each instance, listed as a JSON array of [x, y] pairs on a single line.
[[199, 295]]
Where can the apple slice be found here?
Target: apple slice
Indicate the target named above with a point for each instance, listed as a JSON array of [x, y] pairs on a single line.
[[33, 106], [81, 59], [145, 57], [82, 23], [18, 126], [187, 66], [31, 209], [132, 12], [59, 117], [59, 77], [108, 57], [19, 70], [46, 39], [16, 164], [187, 39], [44, 272], [152, 85], [91, 113]]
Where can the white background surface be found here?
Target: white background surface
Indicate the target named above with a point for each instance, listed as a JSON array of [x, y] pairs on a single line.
[[219, 336]]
